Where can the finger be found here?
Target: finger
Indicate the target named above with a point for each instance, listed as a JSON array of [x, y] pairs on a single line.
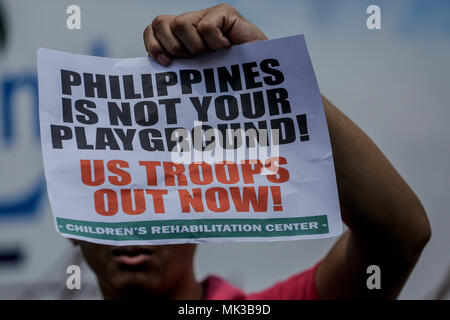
[[163, 33], [212, 29], [154, 48], [184, 28]]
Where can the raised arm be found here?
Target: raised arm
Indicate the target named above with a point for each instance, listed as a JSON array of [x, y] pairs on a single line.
[[387, 224]]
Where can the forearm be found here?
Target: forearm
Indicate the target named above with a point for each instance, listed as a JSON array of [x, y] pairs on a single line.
[[388, 225], [376, 202]]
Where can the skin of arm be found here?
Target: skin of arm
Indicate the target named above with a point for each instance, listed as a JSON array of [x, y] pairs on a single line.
[[388, 226]]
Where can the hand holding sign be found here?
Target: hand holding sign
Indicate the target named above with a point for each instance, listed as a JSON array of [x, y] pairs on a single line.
[[212, 28]]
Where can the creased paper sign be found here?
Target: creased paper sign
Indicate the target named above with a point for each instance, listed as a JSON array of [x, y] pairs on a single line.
[[228, 146]]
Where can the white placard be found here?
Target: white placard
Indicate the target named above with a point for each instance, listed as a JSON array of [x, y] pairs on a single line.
[[228, 146]]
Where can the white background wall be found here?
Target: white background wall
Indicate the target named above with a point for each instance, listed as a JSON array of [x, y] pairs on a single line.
[[394, 83]]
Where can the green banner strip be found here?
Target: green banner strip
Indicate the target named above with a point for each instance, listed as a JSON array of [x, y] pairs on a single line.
[[198, 228]]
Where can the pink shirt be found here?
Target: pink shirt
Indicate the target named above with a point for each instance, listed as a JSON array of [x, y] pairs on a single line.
[[300, 286]]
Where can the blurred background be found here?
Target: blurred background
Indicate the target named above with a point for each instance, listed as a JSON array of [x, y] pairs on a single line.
[[394, 83]]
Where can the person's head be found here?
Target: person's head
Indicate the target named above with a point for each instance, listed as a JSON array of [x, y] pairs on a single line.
[[164, 271]]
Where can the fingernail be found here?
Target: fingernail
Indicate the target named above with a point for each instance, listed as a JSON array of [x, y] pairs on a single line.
[[163, 59]]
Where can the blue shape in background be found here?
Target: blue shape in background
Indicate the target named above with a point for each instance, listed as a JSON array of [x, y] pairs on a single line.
[[26, 206], [10, 85]]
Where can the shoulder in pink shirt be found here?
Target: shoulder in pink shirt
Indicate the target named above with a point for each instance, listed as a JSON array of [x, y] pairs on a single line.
[[301, 286]]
